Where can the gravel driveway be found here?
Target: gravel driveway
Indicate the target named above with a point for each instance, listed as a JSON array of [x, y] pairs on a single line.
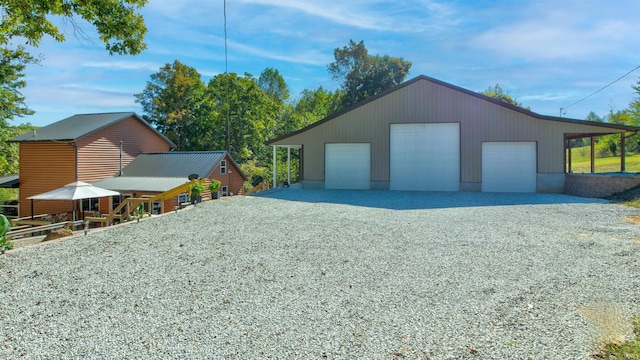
[[332, 274]]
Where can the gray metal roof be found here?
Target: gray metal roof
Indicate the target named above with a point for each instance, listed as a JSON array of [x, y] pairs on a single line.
[[9, 181], [131, 183], [174, 164], [77, 126]]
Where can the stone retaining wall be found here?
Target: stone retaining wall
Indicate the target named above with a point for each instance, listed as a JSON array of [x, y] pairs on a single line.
[[598, 185]]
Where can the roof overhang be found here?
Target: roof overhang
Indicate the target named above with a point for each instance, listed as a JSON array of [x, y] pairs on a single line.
[[10, 181], [607, 128]]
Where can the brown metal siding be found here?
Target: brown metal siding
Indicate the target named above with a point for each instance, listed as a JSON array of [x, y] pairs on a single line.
[[99, 152], [45, 166], [425, 101]]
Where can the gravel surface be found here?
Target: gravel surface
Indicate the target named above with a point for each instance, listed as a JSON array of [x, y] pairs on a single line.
[[332, 274]]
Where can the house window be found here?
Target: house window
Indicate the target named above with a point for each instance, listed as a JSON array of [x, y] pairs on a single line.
[[156, 207], [90, 204], [115, 201], [183, 198], [224, 190], [223, 167]]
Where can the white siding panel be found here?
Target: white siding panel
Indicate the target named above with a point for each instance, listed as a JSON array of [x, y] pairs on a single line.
[[347, 166], [425, 157], [509, 167]]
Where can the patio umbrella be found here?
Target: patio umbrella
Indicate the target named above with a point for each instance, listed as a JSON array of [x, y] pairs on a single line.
[[75, 191]]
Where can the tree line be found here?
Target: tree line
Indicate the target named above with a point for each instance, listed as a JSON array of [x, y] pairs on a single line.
[[238, 113], [235, 112]]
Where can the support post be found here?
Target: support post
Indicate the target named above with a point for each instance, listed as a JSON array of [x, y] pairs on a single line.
[[622, 154], [275, 169], [288, 164], [593, 157], [569, 157]]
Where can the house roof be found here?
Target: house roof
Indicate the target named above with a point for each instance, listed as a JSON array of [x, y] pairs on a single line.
[[9, 181], [462, 90], [78, 126], [176, 164], [134, 183]]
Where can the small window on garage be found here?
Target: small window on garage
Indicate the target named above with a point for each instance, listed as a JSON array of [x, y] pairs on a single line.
[[223, 167]]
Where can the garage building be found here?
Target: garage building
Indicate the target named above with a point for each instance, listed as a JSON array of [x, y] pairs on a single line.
[[428, 135]]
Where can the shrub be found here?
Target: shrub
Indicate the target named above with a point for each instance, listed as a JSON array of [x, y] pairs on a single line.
[[5, 227], [195, 190]]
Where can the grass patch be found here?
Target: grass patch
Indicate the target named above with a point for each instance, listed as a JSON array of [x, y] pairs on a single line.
[[622, 350], [581, 161]]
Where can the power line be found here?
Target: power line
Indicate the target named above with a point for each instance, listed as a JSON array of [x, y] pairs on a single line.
[[597, 91], [226, 75]]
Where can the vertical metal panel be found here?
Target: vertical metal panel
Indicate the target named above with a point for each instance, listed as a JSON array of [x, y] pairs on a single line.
[[425, 101]]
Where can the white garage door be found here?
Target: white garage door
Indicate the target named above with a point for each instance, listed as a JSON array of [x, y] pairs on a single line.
[[425, 157], [347, 166], [509, 167]]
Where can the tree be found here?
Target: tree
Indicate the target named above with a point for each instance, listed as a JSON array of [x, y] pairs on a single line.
[[496, 92], [362, 75], [10, 155], [174, 101], [592, 116], [117, 22], [251, 115], [273, 84], [311, 106], [12, 65]]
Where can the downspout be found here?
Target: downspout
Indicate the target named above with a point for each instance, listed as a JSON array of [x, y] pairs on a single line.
[[120, 158], [74, 145]]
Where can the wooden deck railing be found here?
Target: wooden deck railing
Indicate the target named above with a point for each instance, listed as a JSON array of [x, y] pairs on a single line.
[[129, 204], [262, 186]]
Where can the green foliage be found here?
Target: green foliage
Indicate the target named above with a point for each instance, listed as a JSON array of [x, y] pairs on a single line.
[[245, 112], [311, 106], [214, 186], [117, 22], [12, 65], [255, 172], [174, 101], [195, 190], [273, 84], [592, 116], [362, 75], [10, 152], [621, 351], [496, 92], [5, 227]]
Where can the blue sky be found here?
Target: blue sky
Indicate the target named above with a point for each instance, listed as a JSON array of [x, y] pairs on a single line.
[[547, 54]]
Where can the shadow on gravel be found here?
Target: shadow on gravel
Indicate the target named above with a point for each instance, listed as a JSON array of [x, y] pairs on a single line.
[[407, 200]]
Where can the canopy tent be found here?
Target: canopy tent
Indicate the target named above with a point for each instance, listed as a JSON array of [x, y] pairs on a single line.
[[75, 191]]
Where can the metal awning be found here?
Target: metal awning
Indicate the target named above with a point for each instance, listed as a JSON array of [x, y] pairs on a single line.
[[10, 181]]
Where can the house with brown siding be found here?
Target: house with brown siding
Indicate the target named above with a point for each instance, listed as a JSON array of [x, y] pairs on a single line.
[[87, 147], [428, 135], [152, 173]]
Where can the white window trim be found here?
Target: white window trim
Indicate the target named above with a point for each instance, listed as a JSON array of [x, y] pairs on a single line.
[[223, 167], [224, 190], [182, 198]]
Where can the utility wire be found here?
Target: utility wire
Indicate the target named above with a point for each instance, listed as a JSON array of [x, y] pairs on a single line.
[[597, 91], [226, 75]]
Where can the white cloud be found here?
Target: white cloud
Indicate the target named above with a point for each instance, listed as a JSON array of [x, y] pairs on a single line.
[[301, 57], [410, 17], [546, 31], [122, 65]]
